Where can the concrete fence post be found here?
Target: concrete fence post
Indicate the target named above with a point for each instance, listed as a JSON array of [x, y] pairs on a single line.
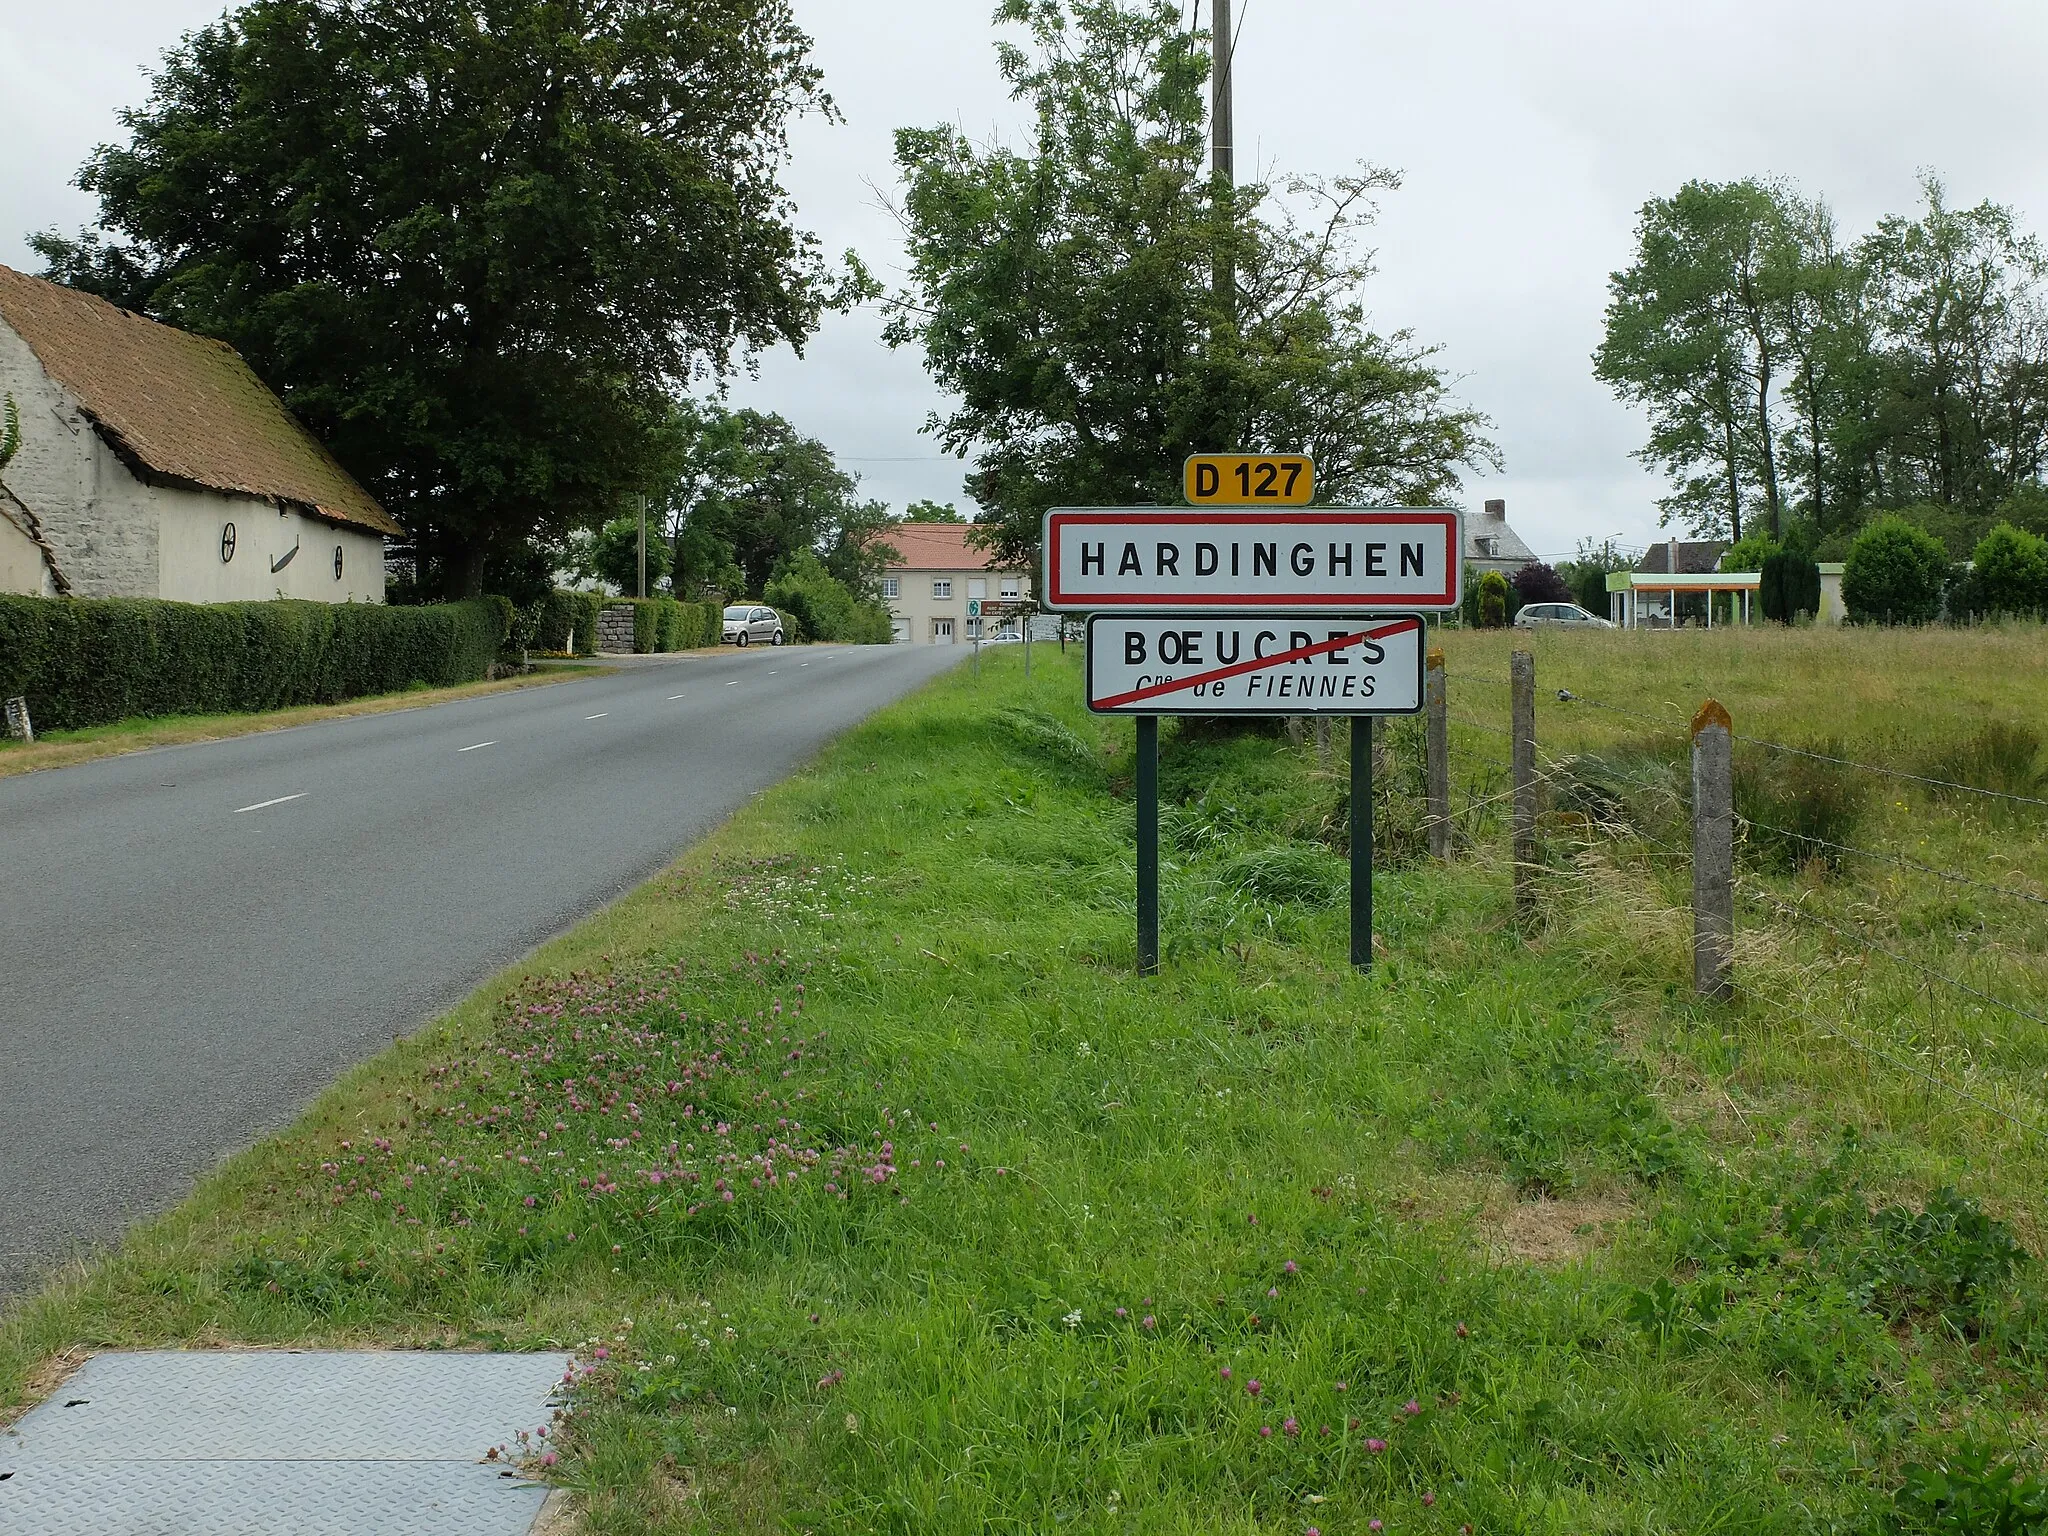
[[1437, 744], [19, 727], [1713, 853], [1522, 674]]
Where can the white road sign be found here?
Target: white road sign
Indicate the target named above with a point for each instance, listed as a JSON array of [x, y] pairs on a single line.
[[1286, 664], [1324, 560]]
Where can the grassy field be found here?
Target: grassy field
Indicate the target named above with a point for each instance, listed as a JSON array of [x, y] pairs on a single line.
[[63, 749], [877, 1195]]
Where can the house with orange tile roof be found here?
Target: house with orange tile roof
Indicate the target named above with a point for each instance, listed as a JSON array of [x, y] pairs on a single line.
[[154, 463], [935, 578]]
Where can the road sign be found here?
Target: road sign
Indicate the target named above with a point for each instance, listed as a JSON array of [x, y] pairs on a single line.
[[1203, 664], [1329, 560], [1249, 480], [974, 607]]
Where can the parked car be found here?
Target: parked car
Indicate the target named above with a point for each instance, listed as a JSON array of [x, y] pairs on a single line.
[[748, 623], [1570, 614], [1002, 637]]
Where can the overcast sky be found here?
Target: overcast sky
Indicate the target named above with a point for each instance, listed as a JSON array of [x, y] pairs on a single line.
[[1528, 134]]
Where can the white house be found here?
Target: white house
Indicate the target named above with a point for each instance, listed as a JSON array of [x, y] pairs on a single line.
[[153, 463], [938, 575]]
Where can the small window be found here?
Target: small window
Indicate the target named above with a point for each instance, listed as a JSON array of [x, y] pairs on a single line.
[[974, 629], [942, 587], [1012, 586], [892, 586], [1489, 548], [977, 586]]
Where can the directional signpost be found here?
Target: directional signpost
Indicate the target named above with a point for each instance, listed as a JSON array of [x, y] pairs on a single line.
[[1270, 607]]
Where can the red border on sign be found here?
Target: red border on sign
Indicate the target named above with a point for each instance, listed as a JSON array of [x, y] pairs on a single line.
[[1058, 597]]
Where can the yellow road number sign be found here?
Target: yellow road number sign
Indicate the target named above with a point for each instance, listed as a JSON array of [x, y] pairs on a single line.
[[1249, 480]]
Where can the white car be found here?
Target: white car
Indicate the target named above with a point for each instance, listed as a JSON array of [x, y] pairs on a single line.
[[1569, 614], [746, 623]]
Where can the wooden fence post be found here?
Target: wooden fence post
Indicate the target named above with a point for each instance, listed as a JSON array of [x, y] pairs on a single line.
[[1713, 853], [1522, 674], [1438, 750]]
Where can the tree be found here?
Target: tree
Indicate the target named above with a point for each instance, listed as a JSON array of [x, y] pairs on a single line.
[[1895, 574], [1540, 583], [1586, 573], [1698, 329], [10, 429], [932, 512], [2011, 571], [1066, 296], [745, 491], [1789, 585], [612, 554], [474, 244]]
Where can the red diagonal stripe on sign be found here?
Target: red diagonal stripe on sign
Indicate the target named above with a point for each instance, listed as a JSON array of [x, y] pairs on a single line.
[[1277, 659]]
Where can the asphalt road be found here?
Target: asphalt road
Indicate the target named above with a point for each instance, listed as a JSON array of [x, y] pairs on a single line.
[[195, 940]]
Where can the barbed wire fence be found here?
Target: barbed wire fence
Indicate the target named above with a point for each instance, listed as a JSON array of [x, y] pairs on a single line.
[[1724, 889]]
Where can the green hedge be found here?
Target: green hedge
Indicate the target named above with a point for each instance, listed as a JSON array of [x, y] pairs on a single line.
[[563, 612], [662, 624], [91, 661]]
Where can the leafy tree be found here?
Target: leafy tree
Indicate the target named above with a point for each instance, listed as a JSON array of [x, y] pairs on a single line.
[[1749, 553], [744, 492], [1067, 296], [1789, 586], [2011, 571], [1540, 583], [612, 554], [1493, 600], [475, 244], [1586, 573], [932, 512], [823, 606], [1895, 574]]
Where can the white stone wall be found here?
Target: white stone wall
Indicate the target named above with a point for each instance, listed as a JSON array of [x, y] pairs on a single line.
[[115, 536], [21, 563]]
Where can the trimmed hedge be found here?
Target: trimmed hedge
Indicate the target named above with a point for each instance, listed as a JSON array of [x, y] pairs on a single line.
[[662, 624], [92, 661], [564, 612]]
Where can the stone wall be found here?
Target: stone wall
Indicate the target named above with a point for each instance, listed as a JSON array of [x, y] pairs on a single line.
[[615, 630]]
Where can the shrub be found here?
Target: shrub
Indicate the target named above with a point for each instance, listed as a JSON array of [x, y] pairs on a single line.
[[91, 661], [1790, 586], [1895, 574], [1493, 600], [2011, 574]]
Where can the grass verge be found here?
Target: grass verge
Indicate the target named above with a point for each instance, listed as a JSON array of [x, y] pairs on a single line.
[[64, 749], [877, 1195]]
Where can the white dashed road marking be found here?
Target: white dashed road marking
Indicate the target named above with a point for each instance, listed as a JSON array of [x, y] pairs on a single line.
[[477, 748], [265, 805], [673, 697], [605, 716]]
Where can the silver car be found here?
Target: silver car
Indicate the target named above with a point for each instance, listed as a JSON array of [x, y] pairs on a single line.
[[1570, 614], [748, 623]]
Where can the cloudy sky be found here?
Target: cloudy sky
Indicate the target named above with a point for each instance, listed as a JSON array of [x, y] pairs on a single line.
[[1528, 135]]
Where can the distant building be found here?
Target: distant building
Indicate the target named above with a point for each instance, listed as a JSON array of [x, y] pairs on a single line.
[[1491, 545], [928, 589], [153, 463], [1674, 583]]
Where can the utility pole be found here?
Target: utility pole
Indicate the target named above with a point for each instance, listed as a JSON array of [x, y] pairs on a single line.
[[1223, 166], [643, 546], [1223, 145]]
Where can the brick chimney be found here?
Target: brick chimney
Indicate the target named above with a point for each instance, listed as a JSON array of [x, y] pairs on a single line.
[[1497, 509]]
